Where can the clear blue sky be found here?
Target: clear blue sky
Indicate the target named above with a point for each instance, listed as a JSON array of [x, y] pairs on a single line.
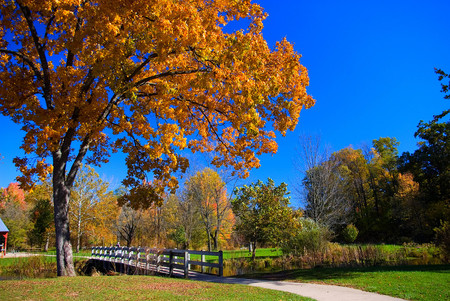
[[371, 72]]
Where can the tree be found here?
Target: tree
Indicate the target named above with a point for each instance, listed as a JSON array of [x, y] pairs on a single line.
[[128, 223], [42, 218], [263, 214], [321, 190], [161, 221], [41, 214], [101, 231], [208, 192], [88, 77], [370, 180], [14, 212], [87, 193], [178, 236], [12, 194], [191, 221], [308, 237], [430, 166]]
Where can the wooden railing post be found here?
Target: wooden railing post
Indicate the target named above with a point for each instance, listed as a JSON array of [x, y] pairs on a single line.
[[220, 263], [189, 259], [203, 260], [158, 262], [170, 263], [186, 264]]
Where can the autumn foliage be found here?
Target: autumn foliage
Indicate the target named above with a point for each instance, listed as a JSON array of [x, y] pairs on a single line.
[[162, 75], [149, 78]]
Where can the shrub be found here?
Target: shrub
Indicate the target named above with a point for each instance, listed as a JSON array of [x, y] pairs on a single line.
[[311, 238], [443, 239], [350, 233]]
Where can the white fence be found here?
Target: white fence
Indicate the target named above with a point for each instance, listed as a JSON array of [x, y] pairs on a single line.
[[167, 261]]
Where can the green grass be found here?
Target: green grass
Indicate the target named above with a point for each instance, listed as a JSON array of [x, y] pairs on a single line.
[[263, 252], [234, 254], [82, 253], [133, 288], [427, 283]]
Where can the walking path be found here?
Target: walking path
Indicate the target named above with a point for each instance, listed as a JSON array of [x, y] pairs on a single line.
[[316, 291]]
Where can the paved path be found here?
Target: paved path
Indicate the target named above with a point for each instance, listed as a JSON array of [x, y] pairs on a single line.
[[316, 291]]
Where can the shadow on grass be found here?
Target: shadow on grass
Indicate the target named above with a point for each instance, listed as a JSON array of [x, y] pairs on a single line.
[[325, 273]]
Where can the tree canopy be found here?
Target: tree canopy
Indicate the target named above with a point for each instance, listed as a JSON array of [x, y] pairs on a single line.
[[149, 78], [263, 214]]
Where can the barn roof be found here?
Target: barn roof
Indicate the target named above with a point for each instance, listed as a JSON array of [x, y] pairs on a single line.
[[3, 227]]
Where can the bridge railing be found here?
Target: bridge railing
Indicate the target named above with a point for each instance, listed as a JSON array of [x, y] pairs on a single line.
[[159, 260]]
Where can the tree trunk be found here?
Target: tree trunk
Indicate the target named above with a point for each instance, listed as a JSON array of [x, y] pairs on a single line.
[[47, 241], [64, 257], [79, 229], [216, 240], [208, 234], [253, 250]]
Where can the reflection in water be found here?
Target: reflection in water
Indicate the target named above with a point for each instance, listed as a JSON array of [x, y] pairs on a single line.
[[241, 267]]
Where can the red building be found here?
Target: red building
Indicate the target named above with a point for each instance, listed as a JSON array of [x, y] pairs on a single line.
[[3, 237]]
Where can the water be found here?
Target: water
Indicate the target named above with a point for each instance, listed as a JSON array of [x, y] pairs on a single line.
[[236, 268]]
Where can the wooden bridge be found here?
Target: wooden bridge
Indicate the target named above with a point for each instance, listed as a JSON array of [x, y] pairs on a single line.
[[174, 262]]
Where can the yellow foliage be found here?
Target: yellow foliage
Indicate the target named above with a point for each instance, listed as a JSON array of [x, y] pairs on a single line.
[[147, 77]]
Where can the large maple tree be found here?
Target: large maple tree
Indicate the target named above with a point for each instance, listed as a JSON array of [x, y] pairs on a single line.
[[149, 78]]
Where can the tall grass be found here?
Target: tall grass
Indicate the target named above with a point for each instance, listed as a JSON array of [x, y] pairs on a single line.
[[29, 267], [336, 255], [34, 267]]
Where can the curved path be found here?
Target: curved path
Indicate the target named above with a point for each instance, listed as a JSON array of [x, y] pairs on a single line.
[[316, 291]]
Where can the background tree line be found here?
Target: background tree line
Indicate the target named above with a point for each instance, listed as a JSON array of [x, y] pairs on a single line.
[[200, 216], [389, 197]]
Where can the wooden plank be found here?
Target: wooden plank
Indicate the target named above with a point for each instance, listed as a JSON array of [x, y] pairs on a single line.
[[204, 264]]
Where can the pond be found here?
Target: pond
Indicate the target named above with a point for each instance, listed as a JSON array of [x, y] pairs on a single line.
[[242, 267]]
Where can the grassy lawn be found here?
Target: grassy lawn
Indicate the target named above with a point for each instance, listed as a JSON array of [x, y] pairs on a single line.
[[266, 252], [82, 253], [133, 288], [234, 254], [426, 283]]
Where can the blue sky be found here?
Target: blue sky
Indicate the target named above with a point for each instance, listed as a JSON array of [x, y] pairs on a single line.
[[371, 67]]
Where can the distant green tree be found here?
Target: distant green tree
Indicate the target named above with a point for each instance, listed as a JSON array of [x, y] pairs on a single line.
[[383, 180], [178, 236], [263, 213], [350, 233], [310, 236], [42, 217], [430, 166]]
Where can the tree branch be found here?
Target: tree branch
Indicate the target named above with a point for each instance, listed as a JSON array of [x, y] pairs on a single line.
[[214, 130], [140, 67], [47, 88], [47, 28], [28, 61], [181, 98], [70, 54], [168, 73], [84, 147]]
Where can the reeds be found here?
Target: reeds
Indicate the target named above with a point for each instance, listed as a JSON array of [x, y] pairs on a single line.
[[30, 267], [337, 255]]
